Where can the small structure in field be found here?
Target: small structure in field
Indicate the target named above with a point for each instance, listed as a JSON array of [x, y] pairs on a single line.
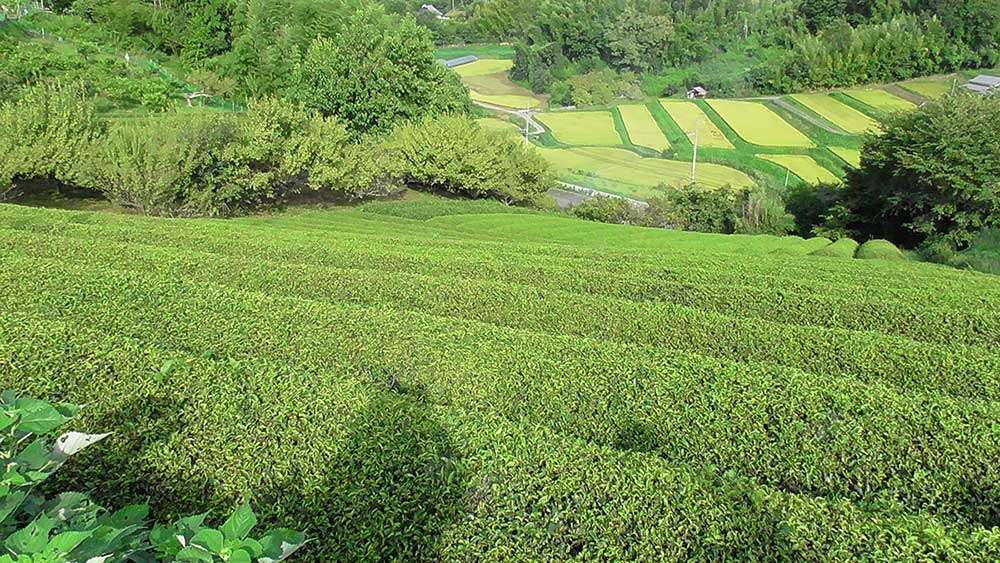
[[452, 63], [431, 9], [984, 84], [697, 93]]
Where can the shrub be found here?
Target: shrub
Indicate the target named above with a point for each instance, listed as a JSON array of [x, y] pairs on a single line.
[[168, 165], [45, 135], [609, 210], [691, 209], [879, 250], [454, 154], [71, 527], [842, 248], [762, 212]]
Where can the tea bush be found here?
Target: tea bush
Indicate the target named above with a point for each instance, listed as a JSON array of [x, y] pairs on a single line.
[[446, 382], [71, 527]]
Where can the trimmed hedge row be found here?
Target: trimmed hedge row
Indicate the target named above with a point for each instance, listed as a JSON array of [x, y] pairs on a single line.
[[843, 248], [909, 365], [800, 432], [932, 282], [876, 312], [375, 472]]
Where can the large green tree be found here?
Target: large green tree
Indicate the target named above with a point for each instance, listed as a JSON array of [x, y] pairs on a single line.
[[375, 73], [931, 173]]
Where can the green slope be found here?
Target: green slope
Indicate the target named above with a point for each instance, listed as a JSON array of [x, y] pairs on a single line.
[[443, 380]]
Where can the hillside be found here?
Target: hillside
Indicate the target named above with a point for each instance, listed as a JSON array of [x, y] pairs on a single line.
[[435, 380], [630, 148]]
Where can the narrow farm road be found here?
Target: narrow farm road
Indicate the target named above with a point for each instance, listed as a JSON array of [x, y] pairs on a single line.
[[527, 115], [897, 90]]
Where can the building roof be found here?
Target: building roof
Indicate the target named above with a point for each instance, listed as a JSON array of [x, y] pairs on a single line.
[[986, 80], [699, 89], [461, 61]]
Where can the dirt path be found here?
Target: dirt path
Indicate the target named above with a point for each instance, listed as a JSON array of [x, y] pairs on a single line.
[[897, 90]]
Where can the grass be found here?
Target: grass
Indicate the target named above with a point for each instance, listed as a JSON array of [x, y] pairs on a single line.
[[843, 116], [641, 128], [850, 156], [689, 117], [484, 67], [804, 167], [587, 128], [880, 100], [757, 124], [635, 176]]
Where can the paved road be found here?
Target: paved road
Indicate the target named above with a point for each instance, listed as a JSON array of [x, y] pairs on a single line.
[[587, 193]]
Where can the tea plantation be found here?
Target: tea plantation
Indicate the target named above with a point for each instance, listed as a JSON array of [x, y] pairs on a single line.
[[441, 380]]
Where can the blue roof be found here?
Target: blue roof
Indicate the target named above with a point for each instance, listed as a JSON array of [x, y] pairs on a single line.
[[461, 61]]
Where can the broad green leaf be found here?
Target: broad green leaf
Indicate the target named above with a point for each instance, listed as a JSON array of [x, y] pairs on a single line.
[[62, 544], [193, 553], [5, 420], [249, 545], [280, 544], [240, 556], [239, 525], [210, 539], [132, 515], [10, 503], [68, 505], [38, 417], [193, 522], [35, 456], [32, 538]]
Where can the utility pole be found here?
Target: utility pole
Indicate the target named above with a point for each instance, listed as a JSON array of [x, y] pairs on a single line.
[[527, 120], [694, 159]]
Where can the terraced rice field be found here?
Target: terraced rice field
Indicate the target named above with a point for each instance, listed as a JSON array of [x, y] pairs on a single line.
[[487, 386], [841, 115], [930, 88], [488, 82], [804, 167], [513, 101], [642, 128], [582, 127], [626, 173], [850, 156], [499, 125], [758, 125], [689, 117], [484, 67], [881, 100]]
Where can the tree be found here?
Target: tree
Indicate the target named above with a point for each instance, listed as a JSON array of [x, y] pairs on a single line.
[[931, 173], [375, 74]]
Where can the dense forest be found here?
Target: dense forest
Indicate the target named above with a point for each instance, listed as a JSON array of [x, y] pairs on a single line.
[[335, 98], [754, 46]]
